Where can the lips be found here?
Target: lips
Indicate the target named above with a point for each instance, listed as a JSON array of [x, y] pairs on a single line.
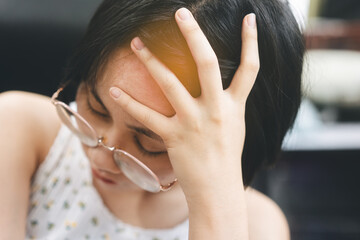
[[98, 176]]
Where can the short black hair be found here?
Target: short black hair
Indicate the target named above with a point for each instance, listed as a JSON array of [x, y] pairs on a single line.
[[273, 103]]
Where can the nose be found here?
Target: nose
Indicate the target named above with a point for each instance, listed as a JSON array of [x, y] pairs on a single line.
[[102, 159]]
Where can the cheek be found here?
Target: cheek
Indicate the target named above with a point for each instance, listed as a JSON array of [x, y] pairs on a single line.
[[161, 166]]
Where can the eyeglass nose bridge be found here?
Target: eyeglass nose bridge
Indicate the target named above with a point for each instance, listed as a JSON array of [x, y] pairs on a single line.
[[101, 143]]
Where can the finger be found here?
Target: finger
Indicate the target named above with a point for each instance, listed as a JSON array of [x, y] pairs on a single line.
[[151, 119], [175, 92], [202, 52], [245, 75]]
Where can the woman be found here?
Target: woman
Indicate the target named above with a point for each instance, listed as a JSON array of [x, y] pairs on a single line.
[[154, 146]]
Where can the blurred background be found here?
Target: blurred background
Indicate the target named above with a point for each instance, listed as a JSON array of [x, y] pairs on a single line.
[[316, 181]]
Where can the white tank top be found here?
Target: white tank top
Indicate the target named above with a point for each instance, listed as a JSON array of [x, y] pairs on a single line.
[[65, 205]]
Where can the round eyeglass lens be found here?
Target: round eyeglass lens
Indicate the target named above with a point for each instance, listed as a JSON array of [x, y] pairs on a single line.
[[77, 125], [136, 171]]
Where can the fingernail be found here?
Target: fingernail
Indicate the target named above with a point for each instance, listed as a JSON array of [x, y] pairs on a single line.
[[251, 20], [184, 14], [115, 92], [138, 44]]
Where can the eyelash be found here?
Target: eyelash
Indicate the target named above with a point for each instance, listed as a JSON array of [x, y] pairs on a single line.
[[103, 115], [143, 150]]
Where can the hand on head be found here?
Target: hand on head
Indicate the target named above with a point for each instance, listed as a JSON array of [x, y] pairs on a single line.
[[205, 137]]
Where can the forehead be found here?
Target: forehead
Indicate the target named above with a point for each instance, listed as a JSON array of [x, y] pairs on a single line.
[[126, 71]]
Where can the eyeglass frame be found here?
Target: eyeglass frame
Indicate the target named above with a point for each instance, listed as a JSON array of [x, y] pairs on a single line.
[[100, 142]]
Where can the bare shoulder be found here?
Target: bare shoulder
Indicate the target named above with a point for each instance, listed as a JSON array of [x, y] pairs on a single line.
[[28, 126], [29, 117], [266, 220]]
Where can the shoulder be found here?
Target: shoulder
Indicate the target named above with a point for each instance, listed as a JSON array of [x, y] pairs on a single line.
[[28, 126], [266, 220], [30, 119]]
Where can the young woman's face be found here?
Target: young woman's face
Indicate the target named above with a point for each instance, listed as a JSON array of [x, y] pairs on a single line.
[[118, 128]]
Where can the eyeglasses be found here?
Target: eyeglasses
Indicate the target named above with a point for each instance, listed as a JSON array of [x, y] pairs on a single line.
[[133, 169]]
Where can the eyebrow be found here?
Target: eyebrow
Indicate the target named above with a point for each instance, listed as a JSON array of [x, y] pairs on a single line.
[[98, 99], [146, 132]]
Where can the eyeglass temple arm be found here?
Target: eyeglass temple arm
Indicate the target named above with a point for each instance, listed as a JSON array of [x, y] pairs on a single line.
[[55, 95]]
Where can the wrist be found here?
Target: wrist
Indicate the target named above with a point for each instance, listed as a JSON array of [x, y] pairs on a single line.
[[213, 185], [224, 216]]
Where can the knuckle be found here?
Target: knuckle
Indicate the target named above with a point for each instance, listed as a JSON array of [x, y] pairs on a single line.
[[216, 116], [192, 28], [147, 57], [250, 36], [216, 119], [146, 118], [125, 103], [195, 126], [168, 84], [209, 61], [253, 65]]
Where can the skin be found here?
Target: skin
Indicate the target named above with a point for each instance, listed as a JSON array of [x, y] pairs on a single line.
[[215, 212], [149, 96]]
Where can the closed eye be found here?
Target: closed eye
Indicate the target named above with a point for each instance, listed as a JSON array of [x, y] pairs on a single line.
[[145, 151], [93, 110]]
